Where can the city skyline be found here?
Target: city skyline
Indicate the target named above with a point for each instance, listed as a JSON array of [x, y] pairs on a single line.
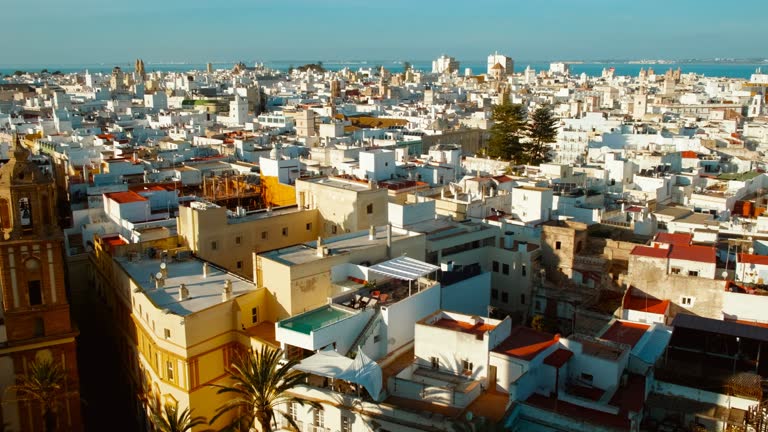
[[174, 31]]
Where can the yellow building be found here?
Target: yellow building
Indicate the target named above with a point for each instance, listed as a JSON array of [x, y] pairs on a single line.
[[179, 321]]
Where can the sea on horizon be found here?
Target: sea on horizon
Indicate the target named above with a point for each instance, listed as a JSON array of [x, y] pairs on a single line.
[[478, 67]]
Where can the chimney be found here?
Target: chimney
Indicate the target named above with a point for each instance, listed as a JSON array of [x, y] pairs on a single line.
[[226, 292], [319, 247], [372, 233], [205, 270], [183, 292]]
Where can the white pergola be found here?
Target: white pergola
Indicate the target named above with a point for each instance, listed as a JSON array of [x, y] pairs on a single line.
[[404, 268]]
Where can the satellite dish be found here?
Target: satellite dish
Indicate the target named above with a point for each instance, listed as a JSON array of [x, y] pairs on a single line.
[[162, 265], [159, 275], [724, 274]]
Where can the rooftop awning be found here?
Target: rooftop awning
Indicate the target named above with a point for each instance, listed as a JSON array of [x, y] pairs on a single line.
[[362, 370], [404, 268]]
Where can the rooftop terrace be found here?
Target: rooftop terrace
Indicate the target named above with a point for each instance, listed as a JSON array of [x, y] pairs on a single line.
[[204, 291]]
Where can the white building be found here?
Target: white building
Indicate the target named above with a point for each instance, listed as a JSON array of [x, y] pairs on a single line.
[[506, 62], [445, 64]]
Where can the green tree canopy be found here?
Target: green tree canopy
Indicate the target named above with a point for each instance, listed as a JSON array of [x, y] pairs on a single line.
[[541, 131], [261, 382], [507, 132], [44, 383], [170, 419]]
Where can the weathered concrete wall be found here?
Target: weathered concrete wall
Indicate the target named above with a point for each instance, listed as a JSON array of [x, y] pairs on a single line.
[[646, 278]]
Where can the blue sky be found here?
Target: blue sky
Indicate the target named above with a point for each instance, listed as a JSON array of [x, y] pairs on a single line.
[[94, 31]]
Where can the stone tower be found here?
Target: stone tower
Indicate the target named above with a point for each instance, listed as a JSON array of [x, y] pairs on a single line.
[[35, 320]]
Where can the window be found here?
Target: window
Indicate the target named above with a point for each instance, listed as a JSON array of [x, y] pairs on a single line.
[[214, 245], [587, 378], [522, 299], [495, 294], [369, 208], [687, 301], [239, 265], [675, 270], [558, 245], [376, 338], [505, 297], [169, 369], [317, 418], [693, 273], [263, 235], [505, 269], [238, 240], [285, 231], [39, 327], [496, 266], [523, 269], [467, 367], [292, 412], [167, 333], [333, 229], [35, 293], [254, 315], [309, 226], [435, 361], [538, 305], [346, 424]]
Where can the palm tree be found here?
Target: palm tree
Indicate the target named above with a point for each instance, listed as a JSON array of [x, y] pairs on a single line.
[[169, 419], [45, 383], [261, 384]]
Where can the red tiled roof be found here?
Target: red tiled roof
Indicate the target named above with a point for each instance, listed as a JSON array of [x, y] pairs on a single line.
[[125, 197], [502, 179], [634, 209], [753, 259], [464, 327], [625, 332], [674, 238], [689, 154], [650, 252], [704, 254], [525, 343], [646, 304], [558, 358]]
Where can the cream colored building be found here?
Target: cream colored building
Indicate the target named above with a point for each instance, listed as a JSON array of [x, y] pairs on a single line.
[[345, 204], [229, 239], [299, 278]]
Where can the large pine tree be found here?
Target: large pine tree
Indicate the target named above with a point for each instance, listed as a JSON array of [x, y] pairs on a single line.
[[541, 131], [507, 132]]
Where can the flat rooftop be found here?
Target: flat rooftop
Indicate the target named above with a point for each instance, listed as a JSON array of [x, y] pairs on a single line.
[[625, 332], [307, 252], [476, 329], [204, 292], [353, 185], [525, 343]]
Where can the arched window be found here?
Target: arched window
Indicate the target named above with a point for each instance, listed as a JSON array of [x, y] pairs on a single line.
[[25, 213]]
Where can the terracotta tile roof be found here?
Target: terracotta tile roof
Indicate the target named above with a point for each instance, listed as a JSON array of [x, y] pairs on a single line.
[[525, 343], [704, 254], [687, 154], [125, 197], [650, 252], [634, 209], [558, 358], [674, 238], [646, 304], [753, 259], [625, 332], [464, 327]]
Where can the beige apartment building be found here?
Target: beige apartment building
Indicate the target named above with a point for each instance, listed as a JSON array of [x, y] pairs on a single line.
[[229, 239], [345, 204]]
